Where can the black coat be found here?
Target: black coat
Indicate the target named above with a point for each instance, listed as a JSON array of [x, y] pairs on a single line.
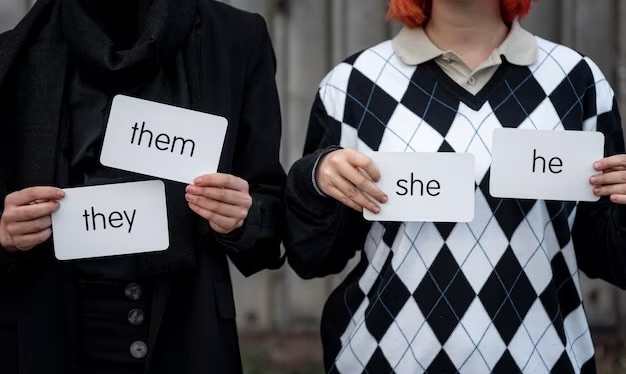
[[192, 327]]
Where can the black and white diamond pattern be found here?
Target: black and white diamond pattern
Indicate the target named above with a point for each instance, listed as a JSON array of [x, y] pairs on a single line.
[[499, 294]]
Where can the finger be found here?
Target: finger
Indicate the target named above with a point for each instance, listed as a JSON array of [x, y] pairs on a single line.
[[618, 199], [619, 189], [224, 195], [30, 212], [360, 160], [27, 242], [31, 194], [222, 221], [336, 194], [218, 207], [610, 162], [356, 195], [29, 227], [615, 177], [363, 183], [221, 180]]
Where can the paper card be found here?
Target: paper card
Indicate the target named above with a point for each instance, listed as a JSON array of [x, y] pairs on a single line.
[[428, 187], [109, 220], [544, 165], [162, 141]]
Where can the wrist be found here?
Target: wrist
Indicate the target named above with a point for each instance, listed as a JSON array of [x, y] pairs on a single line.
[[318, 162]]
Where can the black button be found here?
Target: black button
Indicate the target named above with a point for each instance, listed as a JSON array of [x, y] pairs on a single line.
[[133, 292], [136, 317], [138, 349]]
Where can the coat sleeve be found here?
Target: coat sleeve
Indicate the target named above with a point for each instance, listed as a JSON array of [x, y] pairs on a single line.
[[322, 234], [599, 232], [256, 246]]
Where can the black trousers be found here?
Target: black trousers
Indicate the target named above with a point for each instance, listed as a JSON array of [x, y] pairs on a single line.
[[112, 322]]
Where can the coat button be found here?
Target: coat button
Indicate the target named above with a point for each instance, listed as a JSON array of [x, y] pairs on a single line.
[[136, 317], [133, 292], [138, 349]]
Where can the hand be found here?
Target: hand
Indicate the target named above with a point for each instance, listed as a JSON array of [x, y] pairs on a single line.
[[221, 199], [612, 181], [26, 221], [346, 175]]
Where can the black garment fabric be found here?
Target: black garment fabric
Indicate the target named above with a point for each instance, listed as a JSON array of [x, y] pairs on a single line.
[[226, 66], [108, 326], [93, 43], [150, 66]]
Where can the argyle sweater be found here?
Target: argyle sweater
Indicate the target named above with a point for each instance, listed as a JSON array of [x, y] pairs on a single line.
[[500, 294]]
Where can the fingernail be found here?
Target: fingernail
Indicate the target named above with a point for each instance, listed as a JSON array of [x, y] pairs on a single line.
[[613, 198], [197, 181], [593, 180], [375, 210], [385, 198], [596, 191], [61, 193], [597, 165]]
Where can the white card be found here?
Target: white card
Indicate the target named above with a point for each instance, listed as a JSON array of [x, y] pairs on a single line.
[[109, 220], [544, 165], [428, 187], [162, 141]]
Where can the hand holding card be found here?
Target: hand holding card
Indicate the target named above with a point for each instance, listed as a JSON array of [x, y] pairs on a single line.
[[222, 199]]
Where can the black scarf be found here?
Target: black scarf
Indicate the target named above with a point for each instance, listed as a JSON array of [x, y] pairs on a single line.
[[160, 65], [165, 29]]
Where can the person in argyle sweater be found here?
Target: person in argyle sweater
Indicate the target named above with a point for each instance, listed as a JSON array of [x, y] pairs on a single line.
[[500, 294]]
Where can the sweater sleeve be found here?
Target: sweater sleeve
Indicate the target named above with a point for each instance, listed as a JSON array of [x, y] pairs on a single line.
[[322, 234], [599, 232], [256, 246]]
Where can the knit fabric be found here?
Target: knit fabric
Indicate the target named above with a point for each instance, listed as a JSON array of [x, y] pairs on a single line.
[[499, 294]]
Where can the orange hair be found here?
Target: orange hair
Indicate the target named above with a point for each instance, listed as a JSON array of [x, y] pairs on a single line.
[[415, 13]]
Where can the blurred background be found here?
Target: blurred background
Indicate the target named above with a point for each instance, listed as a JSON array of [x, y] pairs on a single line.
[[278, 314]]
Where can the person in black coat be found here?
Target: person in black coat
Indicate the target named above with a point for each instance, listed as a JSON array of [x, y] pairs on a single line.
[[165, 312]]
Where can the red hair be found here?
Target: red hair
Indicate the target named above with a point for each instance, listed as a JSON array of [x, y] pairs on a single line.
[[415, 13]]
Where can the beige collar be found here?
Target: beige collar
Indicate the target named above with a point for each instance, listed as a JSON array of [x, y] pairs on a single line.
[[413, 46]]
